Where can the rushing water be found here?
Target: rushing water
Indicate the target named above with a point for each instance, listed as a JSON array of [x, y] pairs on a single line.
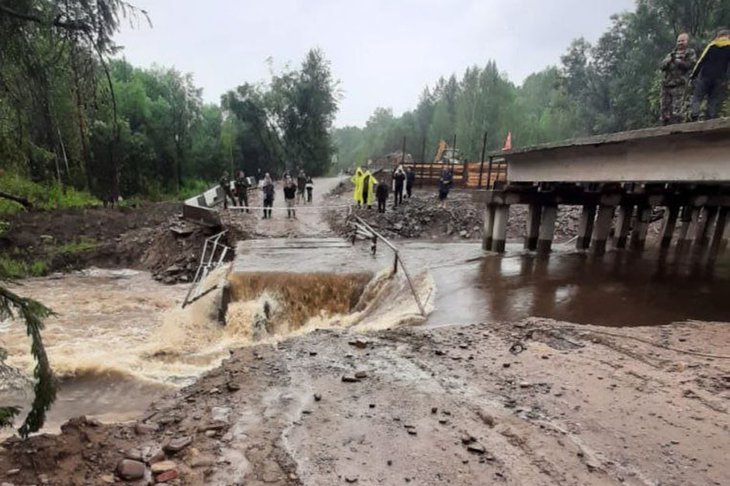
[[120, 339]]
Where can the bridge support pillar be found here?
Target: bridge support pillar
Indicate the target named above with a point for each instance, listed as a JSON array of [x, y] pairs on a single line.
[[488, 228], [670, 223], [533, 226], [718, 236], [683, 240], [585, 229], [696, 229], [602, 229], [623, 225], [499, 233], [547, 229], [726, 235], [641, 227], [703, 238]]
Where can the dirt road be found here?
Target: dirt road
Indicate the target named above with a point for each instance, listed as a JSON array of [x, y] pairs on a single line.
[[309, 219]]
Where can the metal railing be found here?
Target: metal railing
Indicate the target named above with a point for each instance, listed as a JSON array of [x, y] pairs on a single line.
[[213, 255], [366, 231]]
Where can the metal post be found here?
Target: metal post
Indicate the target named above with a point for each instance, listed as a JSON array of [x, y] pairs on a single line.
[[453, 153], [403, 153], [481, 165], [423, 161], [489, 173]]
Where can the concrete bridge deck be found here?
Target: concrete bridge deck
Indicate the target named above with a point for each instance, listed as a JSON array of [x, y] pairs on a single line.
[[689, 152], [620, 180]]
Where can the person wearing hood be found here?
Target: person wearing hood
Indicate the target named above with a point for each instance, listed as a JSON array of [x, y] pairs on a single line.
[[268, 191], [710, 76], [399, 178], [357, 180], [368, 189]]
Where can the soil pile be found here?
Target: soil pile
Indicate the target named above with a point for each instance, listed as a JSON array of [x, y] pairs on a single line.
[[422, 217], [151, 237]]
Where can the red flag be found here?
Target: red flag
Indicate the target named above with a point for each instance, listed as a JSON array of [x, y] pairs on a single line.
[[508, 142]]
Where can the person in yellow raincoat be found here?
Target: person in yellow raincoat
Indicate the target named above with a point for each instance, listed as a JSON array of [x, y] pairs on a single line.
[[364, 194], [357, 179]]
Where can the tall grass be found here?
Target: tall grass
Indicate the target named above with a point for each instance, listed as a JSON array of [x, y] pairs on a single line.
[[41, 196]]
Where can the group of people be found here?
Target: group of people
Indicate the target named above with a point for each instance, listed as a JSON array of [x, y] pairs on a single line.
[[704, 78], [296, 191], [368, 188], [241, 185]]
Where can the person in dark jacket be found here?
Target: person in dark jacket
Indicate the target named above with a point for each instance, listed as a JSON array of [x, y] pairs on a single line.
[[399, 179], [381, 193], [710, 75], [225, 184], [242, 186], [290, 193], [268, 191], [310, 188], [301, 185], [410, 180], [445, 182]]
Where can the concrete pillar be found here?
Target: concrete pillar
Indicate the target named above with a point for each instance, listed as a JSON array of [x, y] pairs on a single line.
[[585, 229], [602, 229], [696, 228], [670, 223], [499, 232], [623, 225], [718, 236], [703, 238], [641, 227], [547, 229], [726, 235], [488, 228], [683, 240], [533, 226]]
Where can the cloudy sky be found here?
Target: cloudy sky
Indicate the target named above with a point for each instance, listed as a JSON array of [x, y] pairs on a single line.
[[383, 51]]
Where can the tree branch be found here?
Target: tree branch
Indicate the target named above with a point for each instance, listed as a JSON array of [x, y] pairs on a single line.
[[57, 22], [17, 199]]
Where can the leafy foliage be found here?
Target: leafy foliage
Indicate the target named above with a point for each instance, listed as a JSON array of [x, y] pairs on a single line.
[[32, 313]]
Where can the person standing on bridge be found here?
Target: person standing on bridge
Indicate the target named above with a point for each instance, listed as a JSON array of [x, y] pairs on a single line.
[[310, 189], [399, 179], [290, 193], [301, 186], [242, 186], [225, 184], [268, 191], [410, 180], [677, 67], [710, 75]]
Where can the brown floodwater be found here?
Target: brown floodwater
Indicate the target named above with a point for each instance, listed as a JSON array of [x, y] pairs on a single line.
[[617, 289], [120, 339]]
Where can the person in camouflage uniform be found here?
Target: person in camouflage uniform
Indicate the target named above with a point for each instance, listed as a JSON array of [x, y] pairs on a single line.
[[677, 67]]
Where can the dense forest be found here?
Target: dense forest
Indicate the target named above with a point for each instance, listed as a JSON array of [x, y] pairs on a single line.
[[76, 116], [608, 86]]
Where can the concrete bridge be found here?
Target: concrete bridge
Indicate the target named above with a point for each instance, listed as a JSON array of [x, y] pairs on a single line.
[[620, 179]]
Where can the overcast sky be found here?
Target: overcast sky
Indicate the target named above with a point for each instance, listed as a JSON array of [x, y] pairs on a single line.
[[384, 52]]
